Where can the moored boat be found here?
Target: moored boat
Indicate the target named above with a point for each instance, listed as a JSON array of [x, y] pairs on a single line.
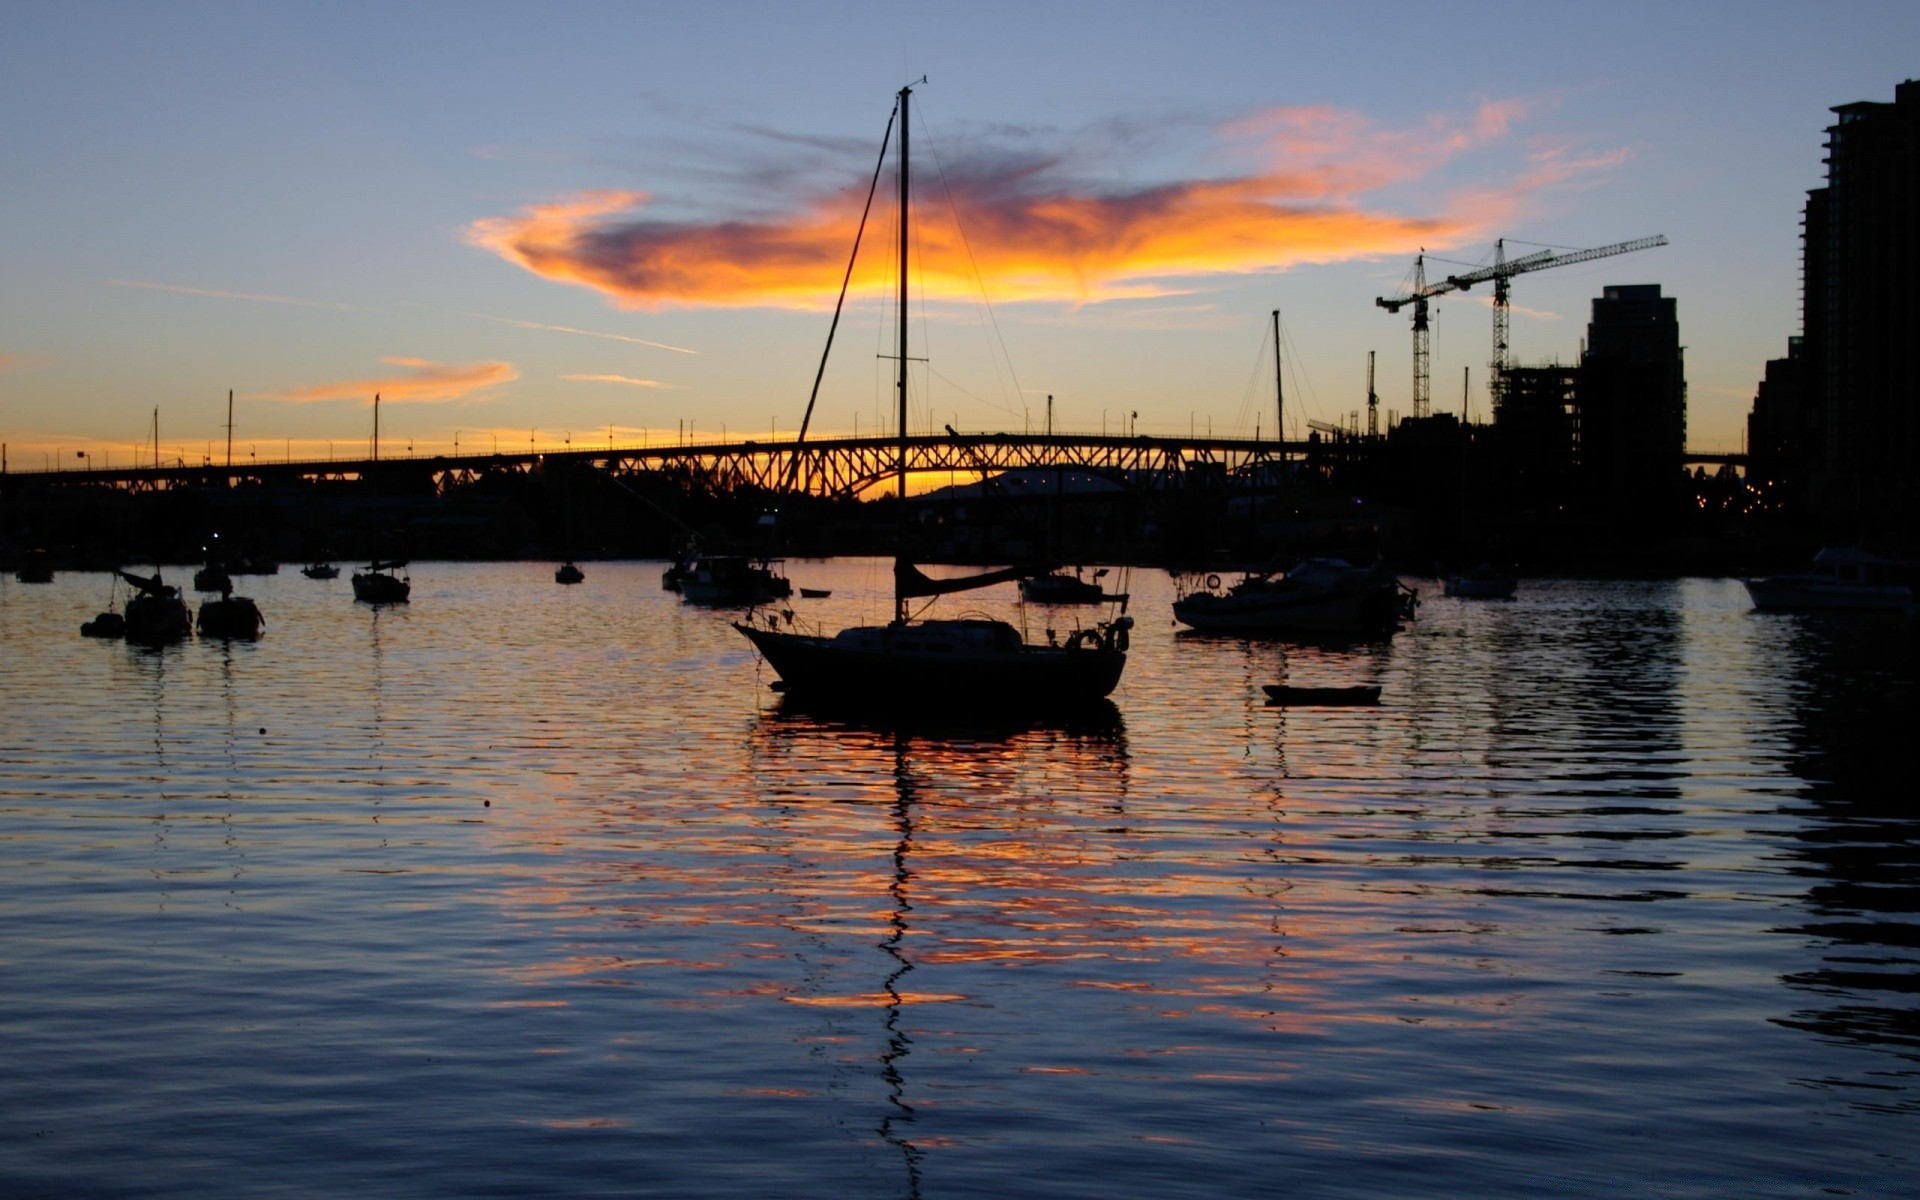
[[733, 580], [913, 666], [1317, 597], [231, 616], [320, 570], [378, 584], [212, 578], [568, 573], [156, 615], [36, 567], [1058, 587], [1840, 578]]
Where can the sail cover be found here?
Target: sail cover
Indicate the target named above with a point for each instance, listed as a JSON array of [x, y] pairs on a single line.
[[910, 581]]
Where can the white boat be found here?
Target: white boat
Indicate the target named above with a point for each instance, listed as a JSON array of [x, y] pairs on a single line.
[[906, 666], [1318, 597], [732, 580], [1840, 578]]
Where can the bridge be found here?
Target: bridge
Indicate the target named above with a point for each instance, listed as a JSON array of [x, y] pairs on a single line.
[[835, 467]]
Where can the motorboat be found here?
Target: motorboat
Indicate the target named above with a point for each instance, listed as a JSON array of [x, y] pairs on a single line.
[[1317, 597], [1058, 587], [1484, 582], [733, 580], [156, 615], [568, 573], [379, 584], [909, 666], [320, 570], [1840, 578]]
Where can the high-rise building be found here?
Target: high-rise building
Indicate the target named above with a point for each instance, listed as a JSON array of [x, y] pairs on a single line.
[[1632, 401], [1861, 310]]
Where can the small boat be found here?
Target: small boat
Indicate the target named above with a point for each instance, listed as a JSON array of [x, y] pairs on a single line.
[[1317, 597], [37, 568], [1840, 578], [815, 593], [1058, 587], [212, 578], [1484, 582], [568, 573], [379, 585], [733, 580], [909, 668], [156, 615], [253, 566], [675, 575], [231, 616], [320, 570], [108, 624], [1282, 693]]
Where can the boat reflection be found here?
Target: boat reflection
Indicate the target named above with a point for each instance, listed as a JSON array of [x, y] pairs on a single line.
[[1848, 737]]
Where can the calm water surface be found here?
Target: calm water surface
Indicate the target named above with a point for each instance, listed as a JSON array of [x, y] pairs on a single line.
[[524, 890]]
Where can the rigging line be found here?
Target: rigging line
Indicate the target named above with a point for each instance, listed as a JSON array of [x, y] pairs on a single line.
[[993, 318], [1296, 373], [1244, 417], [793, 463]]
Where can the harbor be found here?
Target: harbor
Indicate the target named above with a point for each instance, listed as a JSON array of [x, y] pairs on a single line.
[[517, 887]]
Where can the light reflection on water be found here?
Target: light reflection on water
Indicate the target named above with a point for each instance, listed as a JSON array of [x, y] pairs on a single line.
[[529, 890]]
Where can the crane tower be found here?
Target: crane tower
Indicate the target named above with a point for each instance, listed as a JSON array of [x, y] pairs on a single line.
[[1501, 272]]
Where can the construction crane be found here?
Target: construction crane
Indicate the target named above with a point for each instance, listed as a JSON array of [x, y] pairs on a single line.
[[1501, 272]]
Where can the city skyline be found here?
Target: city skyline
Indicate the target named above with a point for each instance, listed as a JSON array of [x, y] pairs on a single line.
[[622, 222]]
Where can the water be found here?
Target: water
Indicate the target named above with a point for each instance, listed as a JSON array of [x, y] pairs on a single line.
[[524, 890]]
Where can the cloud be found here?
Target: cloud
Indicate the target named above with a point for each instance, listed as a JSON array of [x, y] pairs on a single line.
[[178, 289], [1037, 233], [420, 381], [628, 380]]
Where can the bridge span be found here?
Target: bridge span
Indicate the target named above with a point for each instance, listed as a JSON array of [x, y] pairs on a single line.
[[835, 467]]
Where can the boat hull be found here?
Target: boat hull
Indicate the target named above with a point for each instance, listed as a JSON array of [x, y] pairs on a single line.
[[901, 666], [158, 620], [1812, 594], [376, 588], [1375, 614], [231, 617], [1318, 598]]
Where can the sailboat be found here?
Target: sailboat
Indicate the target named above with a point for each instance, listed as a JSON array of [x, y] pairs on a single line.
[[378, 584], [910, 665]]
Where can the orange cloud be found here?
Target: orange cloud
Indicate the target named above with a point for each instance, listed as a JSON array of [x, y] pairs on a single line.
[[1035, 234], [420, 381], [626, 379], [22, 362]]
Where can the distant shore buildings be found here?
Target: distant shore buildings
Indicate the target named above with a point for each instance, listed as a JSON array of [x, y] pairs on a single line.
[[1831, 433]]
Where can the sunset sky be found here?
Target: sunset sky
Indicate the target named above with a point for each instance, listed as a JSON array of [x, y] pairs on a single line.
[[575, 221]]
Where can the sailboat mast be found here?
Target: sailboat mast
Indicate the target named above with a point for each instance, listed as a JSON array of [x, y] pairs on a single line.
[[376, 427], [1279, 396], [229, 429], [900, 601]]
